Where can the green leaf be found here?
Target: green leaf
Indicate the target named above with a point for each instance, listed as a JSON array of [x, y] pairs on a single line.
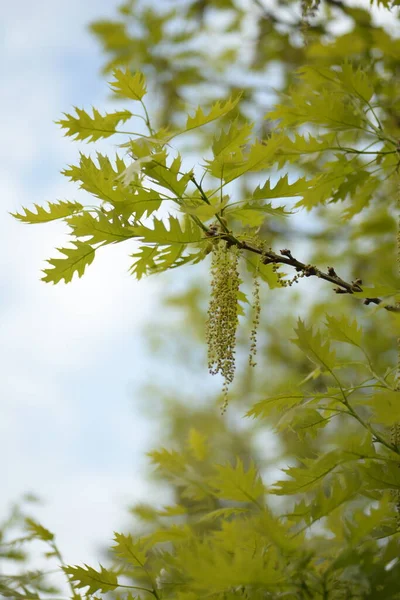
[[39, 531], [359, 525], [134, 552], [377, 291], [385, 405], [56, 210], [219, 109], [307, 148], [247, 217], [96, 581], [99, 228], [197, 443], [93, 128], [234, 483], [254, 215], [175, 234], [344, 487], [227, 147], [381, 476], [242, 560], [128, 85], [282, 189], [304, 421], [265, 272], [167, 176], [309, 475], [197, 207], [169, 256], [260, 156], [222, 513], [138, 203], [356, 81], [77, 259], [230, 141], [335, 182], [144, 261], [312, 345], [343, 329], [274, 404], [361, 197], [309, 105], [175, 533], [101, 181]]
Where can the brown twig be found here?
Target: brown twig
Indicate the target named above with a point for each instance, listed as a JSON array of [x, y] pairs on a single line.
[[285, 257]]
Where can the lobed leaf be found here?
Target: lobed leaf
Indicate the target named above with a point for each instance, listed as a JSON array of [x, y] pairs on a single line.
[[144, 261], [133, 551], [39, 531], [85, 127], [76, 261], [197, 443], [101, 181], [312, 345], [96, 581], [234, 483], [309, 475], [128, 85], [56, 210], [259, 156], [98, 228], [282, 189], [343, 329], [274, 404], [175, 234], [219, 109]]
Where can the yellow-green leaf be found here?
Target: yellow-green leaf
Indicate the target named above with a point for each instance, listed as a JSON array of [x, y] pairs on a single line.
[[198, 444], [129, 85], [219, 109], [39, 531], [101, 181], [99, 228], [56, 210], [274, 404], [234, 483], [344, 330], [282, 189], [93, 128], [312, 344], [96, 581], [160, 235], [260, 156], [385, 405], [133, 551], [144, 261], [77, 259]]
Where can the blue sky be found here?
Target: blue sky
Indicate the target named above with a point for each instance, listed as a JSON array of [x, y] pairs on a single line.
[[72, 356]]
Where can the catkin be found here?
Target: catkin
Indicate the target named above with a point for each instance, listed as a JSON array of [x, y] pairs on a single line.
[[395, 431], [223, 319], [256, 320]]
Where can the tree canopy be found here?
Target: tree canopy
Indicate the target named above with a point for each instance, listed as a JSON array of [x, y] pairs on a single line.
[[259, 154]]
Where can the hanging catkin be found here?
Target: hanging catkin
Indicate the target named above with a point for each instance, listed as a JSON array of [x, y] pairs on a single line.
[[395, 432], [222, 319]]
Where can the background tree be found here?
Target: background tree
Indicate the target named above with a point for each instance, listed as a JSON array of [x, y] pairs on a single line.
[[329, 528]]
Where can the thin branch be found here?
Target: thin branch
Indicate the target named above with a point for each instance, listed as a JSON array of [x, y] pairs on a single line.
[[285, 257]]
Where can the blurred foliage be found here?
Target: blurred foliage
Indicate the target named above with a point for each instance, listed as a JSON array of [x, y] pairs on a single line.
[[292, 493], [21, 555]]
